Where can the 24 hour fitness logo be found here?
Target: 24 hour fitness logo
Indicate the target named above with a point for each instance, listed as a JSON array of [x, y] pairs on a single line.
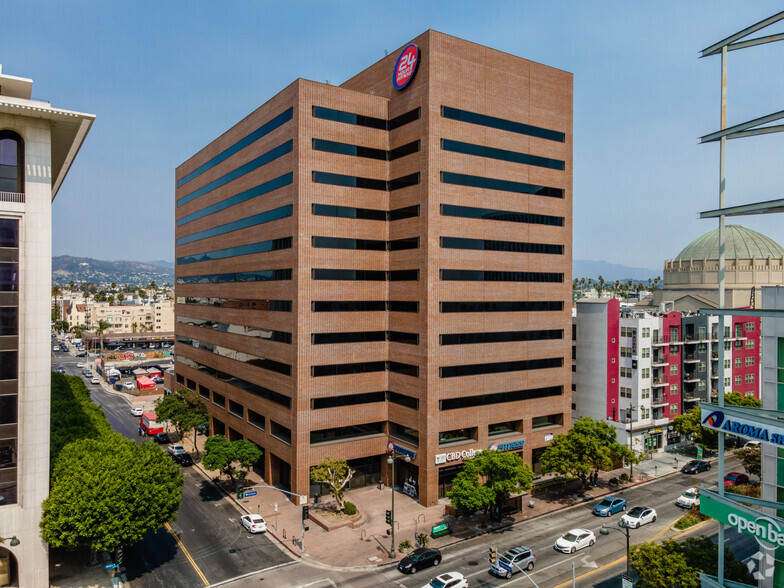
[[405, 67], [714, 419]]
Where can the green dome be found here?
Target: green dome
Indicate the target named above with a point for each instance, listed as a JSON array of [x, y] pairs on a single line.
[[740, 243]]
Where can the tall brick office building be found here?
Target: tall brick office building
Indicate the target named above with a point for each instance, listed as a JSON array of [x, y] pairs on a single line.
[[385, 263]]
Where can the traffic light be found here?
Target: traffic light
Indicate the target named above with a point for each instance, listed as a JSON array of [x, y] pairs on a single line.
[[493, 555], [240, 494], [119, 556], [389, 517], [305, 510]]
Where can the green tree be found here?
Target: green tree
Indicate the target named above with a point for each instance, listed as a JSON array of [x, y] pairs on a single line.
[[689, 424], [153, 285], [110, 299], [56, 292], [219, 455], [134, 327], [100, 328], [246, 453], [108, 492], [78, 330], [100, 296], [120, 297], [490, 479], [334, 474], [588, 447], [142, 294], [750, 457], [738, 399], [661, 565], [173, 408]]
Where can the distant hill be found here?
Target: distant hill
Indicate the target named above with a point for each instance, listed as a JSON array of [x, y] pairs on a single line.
[[66, 268], [583, 268], [161, 263]]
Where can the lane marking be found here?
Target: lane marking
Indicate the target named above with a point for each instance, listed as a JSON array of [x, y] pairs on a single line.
[[249, 574], [188, 555], [331, 583]]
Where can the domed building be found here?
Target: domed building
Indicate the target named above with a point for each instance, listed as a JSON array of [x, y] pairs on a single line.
[[691, 280]]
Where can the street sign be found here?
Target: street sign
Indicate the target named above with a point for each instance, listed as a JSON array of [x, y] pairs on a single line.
[[699, 451], [627, 581], [250, 493], [110, 566]]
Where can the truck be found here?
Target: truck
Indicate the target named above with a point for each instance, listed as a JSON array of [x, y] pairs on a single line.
[[148, 424]]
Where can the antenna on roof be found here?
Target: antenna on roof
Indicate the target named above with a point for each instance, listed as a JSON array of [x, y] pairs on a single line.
[[386, 52]]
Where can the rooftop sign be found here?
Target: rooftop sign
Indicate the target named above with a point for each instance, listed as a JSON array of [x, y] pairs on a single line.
[[737, 421], [405, 67]]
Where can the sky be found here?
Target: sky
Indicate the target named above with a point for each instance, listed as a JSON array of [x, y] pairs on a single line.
[[166, 78]]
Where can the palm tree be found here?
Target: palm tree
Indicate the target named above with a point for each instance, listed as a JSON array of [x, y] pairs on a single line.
[[99, 329], [134, 326], [113, 285], [120, 297], [78, 330], [56, 291]]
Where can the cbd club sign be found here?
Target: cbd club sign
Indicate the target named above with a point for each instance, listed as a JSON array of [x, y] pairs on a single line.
[[405, 67], [767, 530], [745, 423]]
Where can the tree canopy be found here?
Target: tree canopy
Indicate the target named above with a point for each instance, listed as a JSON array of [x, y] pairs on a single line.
[[222, 455], [750, 457], [588, 447], [689, 424], [334, 474], [185, 410]]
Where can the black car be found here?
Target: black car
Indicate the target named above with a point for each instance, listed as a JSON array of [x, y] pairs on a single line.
[[183, 459], [696, 466], [60, 370], [161, 438], [158, 380], [424, 557], [81, 354]]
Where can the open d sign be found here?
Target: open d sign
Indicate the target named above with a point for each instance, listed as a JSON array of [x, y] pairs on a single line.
[[406, 67]]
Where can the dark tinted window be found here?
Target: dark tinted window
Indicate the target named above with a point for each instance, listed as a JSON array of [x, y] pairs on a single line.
[[343, 243], [500, 123], [239, 145], [9, 231], [235, 355], [358, 337], [502, 306], [502, 185], [500, 337], [243, 223], [498, 276], [349, 118], [11, 162], [501, 215], [401, 244], [502, 154], [349, 212], [359, 275], [341, 433], [366, 152], [404, 119], [341, 369], [236, 409], [403, 275], [403, 306], [8, 402], [257, 276], [8, 365], [364, 306], [261, 247], [245, 330], [500, 367], [403, 150], [489, 245], [406, 212], [256, 419], [366, 183], [347, 400], [404, 400], [499, 398], [9, 277], [9, 320], [237, 303]]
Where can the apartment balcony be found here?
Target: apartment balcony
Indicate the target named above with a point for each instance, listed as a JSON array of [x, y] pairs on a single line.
[[15, 197], [658, 383], [714, 376], [661, 421], [690, 358], [659, 400], [690, 397], [691, 377], [659, 360], [665, 340]]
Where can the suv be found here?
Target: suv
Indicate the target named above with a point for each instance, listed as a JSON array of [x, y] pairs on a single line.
[[176, 449], [513, 561], [424, 557]]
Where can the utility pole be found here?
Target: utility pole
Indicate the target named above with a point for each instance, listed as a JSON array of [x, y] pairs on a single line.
[[630, 419]]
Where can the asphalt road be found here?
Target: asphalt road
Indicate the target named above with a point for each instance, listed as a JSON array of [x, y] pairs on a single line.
[[206, 535]]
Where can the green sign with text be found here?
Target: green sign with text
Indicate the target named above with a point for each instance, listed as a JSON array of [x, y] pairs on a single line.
[[767, 530]]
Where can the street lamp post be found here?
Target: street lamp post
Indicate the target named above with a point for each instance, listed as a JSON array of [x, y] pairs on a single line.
[[14, 540], [606, 531], [391, 457], [630, 419]]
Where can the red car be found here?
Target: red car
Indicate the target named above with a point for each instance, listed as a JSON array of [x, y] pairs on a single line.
[[735, 479]]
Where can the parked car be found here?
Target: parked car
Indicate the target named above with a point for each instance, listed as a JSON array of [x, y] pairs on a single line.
[[696, 466], [253, 523], [751, 444], [183, 460], [129, 385], [55, 348], [87, 373], [574, 540], [689, 498], [637, 517], [176, 449], [513, 561], [63, 347], [158, 380], [137, 411], [421, 558], [60, 370], [735, 479], [81, 354], [161, 438], [80, 365], [450, 580], [95, 380], [609, 506]]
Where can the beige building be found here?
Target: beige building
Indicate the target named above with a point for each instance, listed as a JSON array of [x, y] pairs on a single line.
[[38, 144], [152, 317]]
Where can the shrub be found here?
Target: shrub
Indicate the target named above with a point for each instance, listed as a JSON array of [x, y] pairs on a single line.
[[623, 478], [613, 482], [422, 540], [404, 545], [350, 508]]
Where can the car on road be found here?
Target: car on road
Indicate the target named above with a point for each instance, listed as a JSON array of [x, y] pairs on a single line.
[[513, 561], [574, 540], [63, 347], [55, 348], [128, 385], [689, 498], [450, 580], [751, 444], [176, 449], [81, 354], [137, 411], [421, 558], [735, 479], [60, 370], [95, 380], [87, 373], [696, 466], [183, 460], [254, 523], [161, 438], [637, 517], [609, 506], [80, 365]]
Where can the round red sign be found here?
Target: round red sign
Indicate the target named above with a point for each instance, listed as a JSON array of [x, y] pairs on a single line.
[[405, 67]]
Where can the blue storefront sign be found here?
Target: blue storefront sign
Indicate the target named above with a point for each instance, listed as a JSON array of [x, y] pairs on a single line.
[[508, 446], [394, 447]]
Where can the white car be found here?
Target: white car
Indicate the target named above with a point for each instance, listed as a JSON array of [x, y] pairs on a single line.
[[689, 498], [450, 580], [95, 380], [137, 411], [637, 517], [55, 348], [81, 365], [252, 522], [574, 540], [128, 385], [179, 450]]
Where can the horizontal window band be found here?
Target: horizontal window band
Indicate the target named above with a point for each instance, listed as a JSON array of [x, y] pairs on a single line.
[[261, 247], [501, 124], [245, 168], [364, 367], [254, 276], [501, 367], [503, 306], [237, 303], [232, 329], [501, 215], [364, 306], [365, 183], [499, 398], [366, 121], [509, 246], [366, 244], [365, 152], [365, 275], [239, 356], [364, 398], [364, 337], [501, 185], [453, 275], [263, 130], [249, 194], [237, 382], [243, 223], [366, 213], [500, 154], [500, 337]]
